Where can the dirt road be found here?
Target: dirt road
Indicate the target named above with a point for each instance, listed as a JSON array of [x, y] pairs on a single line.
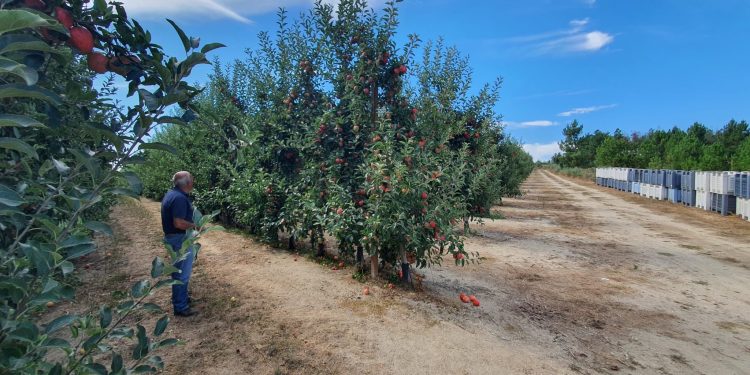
[[575, 279]]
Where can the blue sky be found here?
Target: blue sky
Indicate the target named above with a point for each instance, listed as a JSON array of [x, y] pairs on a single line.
[[628, 64]]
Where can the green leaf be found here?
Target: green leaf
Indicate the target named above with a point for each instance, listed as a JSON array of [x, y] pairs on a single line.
[[42, 260], [167, 342], [170, 120], [10, 197], [159, 146], [66, 267], [185, 40], [18, 145], [101, 6], [141, 349], [56, 370], [152, 307], [60, 166], [167, 282], [135, 182], [24, 42], [142, 369], [59, 323], [161, 325], [77, 246], [151, 101], [55, 342], [79, 251], [75, 241], [18, 121], [100, 227], [116, 362], [97, 368], [210, 47], [19, 19], [139, 289], [8, 66], [16, 90], [105, 316], [157, 267], [195, 58], [157, 362]]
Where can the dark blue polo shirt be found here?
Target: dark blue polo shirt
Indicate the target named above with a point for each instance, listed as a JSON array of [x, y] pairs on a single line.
[[176, 204]]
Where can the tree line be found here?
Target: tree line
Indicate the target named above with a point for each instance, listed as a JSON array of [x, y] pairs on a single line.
[[697, 148]]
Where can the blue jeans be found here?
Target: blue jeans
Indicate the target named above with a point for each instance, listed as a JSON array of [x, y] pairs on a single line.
[[180, 292]]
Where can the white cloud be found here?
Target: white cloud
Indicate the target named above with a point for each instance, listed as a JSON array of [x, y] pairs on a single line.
[[595, 40], [579, 23], [573, 39], [528, 124], [237, 10], [537, 123], [584, 110], [590, 2], [541, 151]]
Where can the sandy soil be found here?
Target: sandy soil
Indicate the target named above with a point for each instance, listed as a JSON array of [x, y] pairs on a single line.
[[575, 279]]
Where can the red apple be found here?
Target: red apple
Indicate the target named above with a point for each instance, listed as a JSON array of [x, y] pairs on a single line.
[[97, 62], [64, 17], [35, 4], [81, 39], [424, 195]]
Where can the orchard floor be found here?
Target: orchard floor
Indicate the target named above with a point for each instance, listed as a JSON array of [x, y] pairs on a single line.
[[575, 279]]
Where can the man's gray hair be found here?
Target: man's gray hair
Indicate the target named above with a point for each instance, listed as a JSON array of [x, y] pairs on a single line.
[[182, 178]]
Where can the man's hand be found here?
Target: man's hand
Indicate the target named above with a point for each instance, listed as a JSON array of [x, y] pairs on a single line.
[[183, 224]]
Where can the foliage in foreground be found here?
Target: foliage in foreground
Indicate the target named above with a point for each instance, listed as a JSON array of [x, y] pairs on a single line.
[[65, 147], [330, 126]]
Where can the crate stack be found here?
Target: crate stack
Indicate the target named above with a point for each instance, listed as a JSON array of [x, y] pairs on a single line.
[[687, 188], [614, 178], [722, 192], [742, 192], [635, 176], [702, 190], [653, 185], [673, 184]]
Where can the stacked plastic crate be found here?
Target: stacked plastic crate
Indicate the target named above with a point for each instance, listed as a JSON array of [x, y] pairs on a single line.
[[674, 186], [687, 187], [742, 192], [722, 192], [702, 190], [635, 176]]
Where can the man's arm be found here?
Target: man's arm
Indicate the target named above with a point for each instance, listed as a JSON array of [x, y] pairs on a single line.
[[183, 224], [180, 213]]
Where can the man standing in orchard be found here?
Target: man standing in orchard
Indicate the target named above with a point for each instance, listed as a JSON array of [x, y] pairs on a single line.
[[176, 220]]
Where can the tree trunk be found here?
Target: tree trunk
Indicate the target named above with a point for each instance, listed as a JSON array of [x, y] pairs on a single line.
[[374, 267], [360, 257]]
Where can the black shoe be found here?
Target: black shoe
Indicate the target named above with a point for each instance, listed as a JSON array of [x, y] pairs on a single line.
[[186, 313]]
